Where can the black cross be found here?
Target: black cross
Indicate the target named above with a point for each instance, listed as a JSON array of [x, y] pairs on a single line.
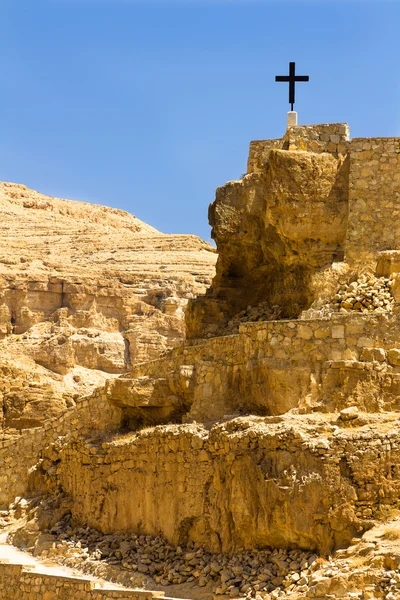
[[292, 78]]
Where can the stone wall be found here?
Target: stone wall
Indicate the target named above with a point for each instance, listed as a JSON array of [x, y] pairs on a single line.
[[202, 378], [19, 454], [333, 138], [247, 483], [259, 152], [374, 198], [374, 182], [19, 583], [343, 336], [274, 224], [270, 368], [323, 365]]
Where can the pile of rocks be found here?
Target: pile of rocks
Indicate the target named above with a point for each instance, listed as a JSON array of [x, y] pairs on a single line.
[[262, 312], [370, 294], [244, 574]]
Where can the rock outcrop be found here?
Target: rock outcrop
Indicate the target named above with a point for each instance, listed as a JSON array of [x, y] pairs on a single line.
[[275, 230], [259, 458], [86, 291], [243, 484]]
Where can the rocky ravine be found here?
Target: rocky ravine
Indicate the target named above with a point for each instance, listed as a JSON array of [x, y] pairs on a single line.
[[86, 291]]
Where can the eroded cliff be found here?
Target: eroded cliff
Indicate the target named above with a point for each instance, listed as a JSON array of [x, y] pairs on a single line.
[[276, 230], [86, 291], [263, 463]]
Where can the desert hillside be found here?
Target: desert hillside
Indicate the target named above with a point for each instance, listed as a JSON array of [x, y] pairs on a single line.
[[258, 459], [46, 235], [85, 292]]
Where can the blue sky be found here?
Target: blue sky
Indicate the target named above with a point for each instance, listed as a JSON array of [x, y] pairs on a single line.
[[150, 105]]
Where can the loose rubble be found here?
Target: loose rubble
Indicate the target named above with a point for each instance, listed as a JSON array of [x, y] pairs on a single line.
[[364, 570], [261, 312], [367, 294], [246, 573]]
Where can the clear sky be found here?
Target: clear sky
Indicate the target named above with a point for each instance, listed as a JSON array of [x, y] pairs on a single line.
[[150, 105]]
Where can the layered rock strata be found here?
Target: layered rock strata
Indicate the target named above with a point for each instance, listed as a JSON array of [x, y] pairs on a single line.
[[86, 291], [278, 441]]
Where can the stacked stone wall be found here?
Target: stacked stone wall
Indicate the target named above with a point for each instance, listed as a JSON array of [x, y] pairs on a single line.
[[170, 461], [325, 363], [19, 583], [344, 336], [374, 198], [299, 340], [333, 138], [259, 153], [19, 454], [374, 182], [203, 486], [269, 367]]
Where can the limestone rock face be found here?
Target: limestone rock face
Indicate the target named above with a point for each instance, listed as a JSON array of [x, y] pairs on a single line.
[[248, 483], [274, 230], [86, 291], [272, 441]]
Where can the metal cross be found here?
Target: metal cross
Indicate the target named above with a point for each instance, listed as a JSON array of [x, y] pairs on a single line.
[[292, 78]]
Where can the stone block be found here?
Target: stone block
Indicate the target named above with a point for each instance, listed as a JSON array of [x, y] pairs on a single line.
[[393, 357], [373, 354], [350, 354], [349, 414], [321, 333], [365, 342], [292, 118], [305, 332], [338, 331]]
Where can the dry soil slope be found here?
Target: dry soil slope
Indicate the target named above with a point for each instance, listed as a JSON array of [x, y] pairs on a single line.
[[85, 291]]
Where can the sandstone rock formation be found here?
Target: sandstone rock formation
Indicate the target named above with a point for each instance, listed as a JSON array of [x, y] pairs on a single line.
[[274, 230], [312, 207], [259, 458], [86, 291]]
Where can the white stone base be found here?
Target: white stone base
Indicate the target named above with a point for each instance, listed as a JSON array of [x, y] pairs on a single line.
[[291, 118]]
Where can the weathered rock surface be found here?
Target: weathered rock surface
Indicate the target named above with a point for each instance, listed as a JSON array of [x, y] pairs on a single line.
[[274, 230], [311, 483], [86, 291], [268, 368], [227, 464]]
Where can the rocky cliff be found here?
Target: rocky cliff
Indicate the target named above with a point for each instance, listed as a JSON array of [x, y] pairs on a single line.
[[258, 458], [86, 291], [277, 230], [274, 231]]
